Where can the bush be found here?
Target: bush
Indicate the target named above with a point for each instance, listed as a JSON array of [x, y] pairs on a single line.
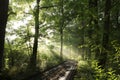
[[95, 72]]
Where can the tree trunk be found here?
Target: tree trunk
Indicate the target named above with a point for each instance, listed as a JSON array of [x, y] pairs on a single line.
[[105, 41], [35, 45], [61, 38], [61, 30], [3, 22]]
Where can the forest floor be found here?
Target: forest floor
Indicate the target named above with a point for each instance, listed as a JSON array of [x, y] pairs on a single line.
[[63, 71]]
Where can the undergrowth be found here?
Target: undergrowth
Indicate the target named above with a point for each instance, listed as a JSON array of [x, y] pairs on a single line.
[[89, 70]]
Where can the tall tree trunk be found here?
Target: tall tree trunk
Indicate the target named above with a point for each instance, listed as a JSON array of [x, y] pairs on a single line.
[[3, 22], [61, 38], [105, 41], [61, 30], [35, 45]]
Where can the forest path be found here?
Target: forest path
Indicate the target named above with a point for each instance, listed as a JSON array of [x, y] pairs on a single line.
[[64, 71]]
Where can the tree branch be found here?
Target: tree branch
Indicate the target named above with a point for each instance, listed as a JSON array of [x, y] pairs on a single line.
[[45, 7]]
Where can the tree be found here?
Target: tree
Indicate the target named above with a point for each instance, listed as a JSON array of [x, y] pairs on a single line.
[[35, 44], [3, 22], [61, 29], [106, 34]]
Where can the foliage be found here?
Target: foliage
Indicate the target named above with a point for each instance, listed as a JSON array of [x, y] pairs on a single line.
[[95, 72], [83, 26]]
